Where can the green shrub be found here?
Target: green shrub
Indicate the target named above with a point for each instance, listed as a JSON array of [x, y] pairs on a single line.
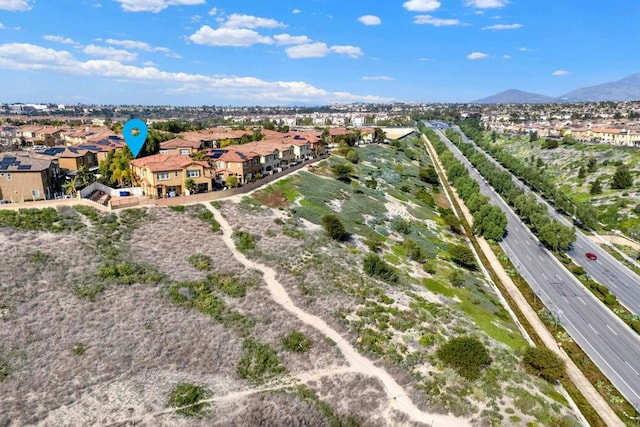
[[544, 363], [610, 299], [244, 241], [128, 273], [296, 342], [375, 266], [414, 252], [259, 362], [457, 278], [229, 285], [334, 228], [401, 225], [187, 399], [178, 208], [201, 262], [78, 349], [467, 355], [463, 256], [5, 369], [88, 291]]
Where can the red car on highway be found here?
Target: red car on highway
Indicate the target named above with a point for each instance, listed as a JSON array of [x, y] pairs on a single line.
[[591, 256]]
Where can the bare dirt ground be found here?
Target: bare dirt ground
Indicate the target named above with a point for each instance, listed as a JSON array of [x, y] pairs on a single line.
[[395, 395], [138, 345]]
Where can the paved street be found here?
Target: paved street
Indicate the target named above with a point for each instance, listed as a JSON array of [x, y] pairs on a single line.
[[621, 281], [611, 344]]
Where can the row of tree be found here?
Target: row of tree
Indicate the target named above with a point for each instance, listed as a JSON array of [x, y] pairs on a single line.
[[551, 232], [488, 220], [535, 177]]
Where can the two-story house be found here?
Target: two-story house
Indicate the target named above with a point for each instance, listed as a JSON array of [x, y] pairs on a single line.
[[73, 158], [183, 147], [232, 162], [164, 175], [27, 177]]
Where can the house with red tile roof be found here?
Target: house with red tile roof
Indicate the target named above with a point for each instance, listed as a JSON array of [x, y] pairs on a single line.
[[164, 175]]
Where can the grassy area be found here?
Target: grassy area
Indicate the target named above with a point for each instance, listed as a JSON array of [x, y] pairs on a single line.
[[386, 205]]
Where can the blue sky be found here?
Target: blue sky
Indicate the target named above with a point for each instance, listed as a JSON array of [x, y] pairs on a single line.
[[309, 52]]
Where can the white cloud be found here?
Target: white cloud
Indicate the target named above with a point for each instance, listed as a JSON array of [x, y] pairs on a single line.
[[23, 56], [238, 37], [287, 39], [560, 73], [370, 20], [154, 6], [15, 5], [503, 27], [350, 51], [249, 21], [213, 12], [487, 4], [477, 55], [421, 5], [138, 45], [436, 22], [378, 78], [506, 56], [525, 49], [296, 11], [110, 53], [424, 59], [59, 39], [308, 50], [1, 26]]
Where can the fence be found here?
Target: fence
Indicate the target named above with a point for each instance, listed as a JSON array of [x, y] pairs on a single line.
[[215, 195]]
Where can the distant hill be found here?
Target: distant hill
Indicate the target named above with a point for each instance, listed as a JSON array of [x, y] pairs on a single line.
[[514, 96], [625, 89]]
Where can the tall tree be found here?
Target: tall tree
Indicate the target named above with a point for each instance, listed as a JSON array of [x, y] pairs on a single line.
[[622, 179]]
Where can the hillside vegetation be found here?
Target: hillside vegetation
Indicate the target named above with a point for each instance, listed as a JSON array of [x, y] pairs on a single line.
[[144, 313]]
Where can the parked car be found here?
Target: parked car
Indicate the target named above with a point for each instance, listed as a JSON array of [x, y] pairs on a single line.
[[591, 256]]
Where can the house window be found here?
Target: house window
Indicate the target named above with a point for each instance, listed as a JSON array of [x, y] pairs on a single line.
[[35, 193], [164, 152], [177, 173], [193, 174], [89, 159], [163, 176], [142, 173], [221, 165], [183, 151], [80, 161]]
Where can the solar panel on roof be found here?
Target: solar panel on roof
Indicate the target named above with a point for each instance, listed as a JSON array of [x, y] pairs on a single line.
[[3, 166], [9, 159], [24, 167]]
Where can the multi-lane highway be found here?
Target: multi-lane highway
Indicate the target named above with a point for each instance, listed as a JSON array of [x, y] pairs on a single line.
[[611, 344], [606, 270]]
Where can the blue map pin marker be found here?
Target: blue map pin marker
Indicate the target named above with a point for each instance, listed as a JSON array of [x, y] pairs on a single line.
[[135, 142]]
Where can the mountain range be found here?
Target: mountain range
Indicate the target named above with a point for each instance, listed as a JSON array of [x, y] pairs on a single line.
[[625, 89]]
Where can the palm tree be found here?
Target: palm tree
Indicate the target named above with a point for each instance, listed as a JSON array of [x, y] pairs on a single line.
[[120, 169], [69, 187]]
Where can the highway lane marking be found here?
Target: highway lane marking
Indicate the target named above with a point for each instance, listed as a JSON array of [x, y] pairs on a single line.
[[614, 332], [592, 328], [583, 301], [632, 368]]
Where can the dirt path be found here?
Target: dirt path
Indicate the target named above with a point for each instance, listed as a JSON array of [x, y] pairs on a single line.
[[397, 396]]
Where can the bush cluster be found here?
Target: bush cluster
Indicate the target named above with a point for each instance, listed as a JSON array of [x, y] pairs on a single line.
[[467, 355], [376, 267]]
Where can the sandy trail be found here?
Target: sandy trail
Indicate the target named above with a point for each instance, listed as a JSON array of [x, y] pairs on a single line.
[[397, 396]]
